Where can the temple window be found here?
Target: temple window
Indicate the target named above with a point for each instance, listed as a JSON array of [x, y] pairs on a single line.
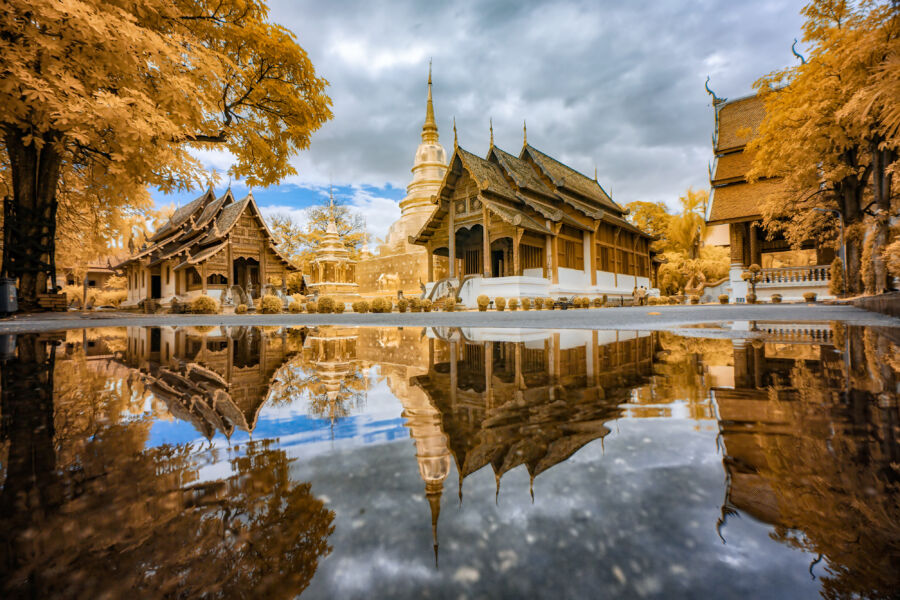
[[193, 277], [217, 279], [532, 257]]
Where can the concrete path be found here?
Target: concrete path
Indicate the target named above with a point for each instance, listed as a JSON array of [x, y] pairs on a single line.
[[644, 317]]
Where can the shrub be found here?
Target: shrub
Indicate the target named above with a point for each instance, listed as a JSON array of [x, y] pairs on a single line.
[[723, 298], [240, 309], [549, 304], [597, 302], [295, 307], [513, 304], [483, 302], [526, 303], [653, 301], [538, 303], [500, 303], [326, 305], [809, 296], [311, 307], [776, 298], [270, 305], [402, 305], [299, 298], [360, 306], [378, 305], [605, 300], [426, 305], [751, 298], [415, 305], [695, 299], [204, 305], [836, 283], [449, 304], [339, 307]]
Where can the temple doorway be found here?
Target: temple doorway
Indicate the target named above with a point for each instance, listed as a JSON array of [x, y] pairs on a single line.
[[246, 273]]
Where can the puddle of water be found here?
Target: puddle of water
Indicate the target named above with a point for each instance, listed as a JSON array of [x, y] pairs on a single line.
[[410, 462]]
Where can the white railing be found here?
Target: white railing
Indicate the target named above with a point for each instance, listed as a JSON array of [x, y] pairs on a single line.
[[812, 276]]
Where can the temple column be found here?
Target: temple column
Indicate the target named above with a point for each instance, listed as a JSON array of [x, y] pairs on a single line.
[[489, 373], [486, 243], [517, 254], [755, 257], [590, 255], [429, 264], [451, 243], [738, 235], [453, 374], [554, 254]]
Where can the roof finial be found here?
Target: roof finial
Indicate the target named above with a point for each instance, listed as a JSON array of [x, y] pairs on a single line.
[[595, 172], [716, 99], [797, 54], [524, 133], [491, 121], [455, 141]]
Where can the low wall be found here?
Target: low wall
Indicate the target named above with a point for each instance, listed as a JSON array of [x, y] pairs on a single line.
[[888, 304]]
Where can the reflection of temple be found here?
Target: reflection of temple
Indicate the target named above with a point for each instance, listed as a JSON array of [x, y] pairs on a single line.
[[337, 382], [216, 378], [811, 438], [534, 399], [332, 271]]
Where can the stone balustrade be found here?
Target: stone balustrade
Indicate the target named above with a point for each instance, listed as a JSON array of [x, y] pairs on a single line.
[[816, 275]]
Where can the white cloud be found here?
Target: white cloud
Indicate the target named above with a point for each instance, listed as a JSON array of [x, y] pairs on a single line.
[[378, 212], [300, 216]]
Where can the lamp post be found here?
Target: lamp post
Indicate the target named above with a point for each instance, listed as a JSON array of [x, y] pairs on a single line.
[[840, 217]]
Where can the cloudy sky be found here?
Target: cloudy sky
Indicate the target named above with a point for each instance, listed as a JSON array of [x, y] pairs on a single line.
[[616, 85]]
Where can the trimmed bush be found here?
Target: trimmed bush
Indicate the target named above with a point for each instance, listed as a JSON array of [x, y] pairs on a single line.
[[483, 302], [597, 302], [311, 307], [526, 303], [426, 305], [204, 305], [270, 305], [295, 307], [449, 304], [836, 283], [360, 306], [513, 304], [339, 307], [751, 298], [500, 303], [605, 300], [378, 305], [653, 301], [723, 298], [695, 299], [402, 305], [776, 298], [549, 304], [326, 305], [240, 309], [810, 296], [538, 303]]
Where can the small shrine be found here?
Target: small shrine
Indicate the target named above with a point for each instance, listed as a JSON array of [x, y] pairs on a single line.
[[333, 272]]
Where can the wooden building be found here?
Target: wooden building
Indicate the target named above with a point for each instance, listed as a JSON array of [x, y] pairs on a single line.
[[209, 246], [734, 213], [529, 225]]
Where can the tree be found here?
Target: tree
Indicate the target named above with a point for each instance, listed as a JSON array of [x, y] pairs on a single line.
[[685, 232], [831, 126], [118, 94], [653, 218]]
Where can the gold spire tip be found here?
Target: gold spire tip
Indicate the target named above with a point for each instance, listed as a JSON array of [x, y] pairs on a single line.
[[491, 121], [524, 133], [455, 140]]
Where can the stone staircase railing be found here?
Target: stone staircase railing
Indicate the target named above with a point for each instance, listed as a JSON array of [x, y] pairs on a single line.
[[817, 275]]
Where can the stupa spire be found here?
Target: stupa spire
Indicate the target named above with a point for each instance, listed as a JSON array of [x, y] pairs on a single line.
[[491, 121], [332, 225], [429, 129], [524, 133]]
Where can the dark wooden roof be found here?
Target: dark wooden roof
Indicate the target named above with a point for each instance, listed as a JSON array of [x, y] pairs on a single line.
[[198, 230]]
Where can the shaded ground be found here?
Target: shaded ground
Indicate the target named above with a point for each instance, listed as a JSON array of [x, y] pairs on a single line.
[[643, 317]]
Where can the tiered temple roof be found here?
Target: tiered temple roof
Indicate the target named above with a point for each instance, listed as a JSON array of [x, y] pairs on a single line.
[[199, 230], [511, 187], [733, 199]]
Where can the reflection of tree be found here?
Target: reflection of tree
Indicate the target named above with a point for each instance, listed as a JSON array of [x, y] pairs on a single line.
[[679, 376], [836, 476], [86, 511]]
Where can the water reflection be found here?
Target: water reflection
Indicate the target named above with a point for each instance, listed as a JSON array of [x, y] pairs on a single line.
[[88, 511], [807, 421]]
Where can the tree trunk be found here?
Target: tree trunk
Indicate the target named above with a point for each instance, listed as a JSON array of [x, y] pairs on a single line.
[[31, 216], [849, 196], [881, 191]]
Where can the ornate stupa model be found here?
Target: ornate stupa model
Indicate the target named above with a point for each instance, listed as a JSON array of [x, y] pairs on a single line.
[[399, 265], [332, 271]]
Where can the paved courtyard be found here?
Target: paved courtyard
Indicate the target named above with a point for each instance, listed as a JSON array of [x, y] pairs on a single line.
[[643, 317]]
